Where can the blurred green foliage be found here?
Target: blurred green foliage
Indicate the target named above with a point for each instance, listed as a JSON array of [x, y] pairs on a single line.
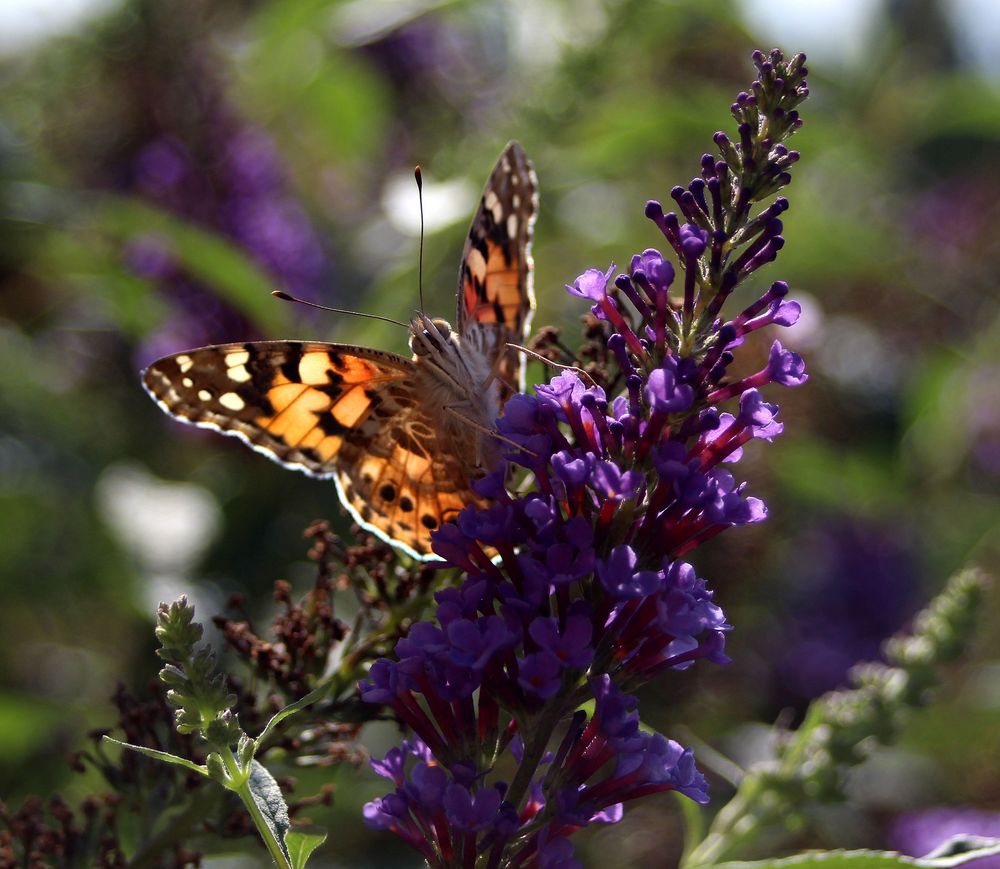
[[887, 477]]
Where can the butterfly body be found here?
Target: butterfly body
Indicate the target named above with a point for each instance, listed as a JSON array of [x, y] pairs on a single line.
[[458, 385], [402, 438]]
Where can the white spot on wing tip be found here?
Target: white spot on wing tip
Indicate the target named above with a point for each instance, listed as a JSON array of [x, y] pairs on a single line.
[[231, 401], [239, 373]]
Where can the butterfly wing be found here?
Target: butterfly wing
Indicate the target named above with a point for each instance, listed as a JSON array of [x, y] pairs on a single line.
[[348, 413], [495, 296]]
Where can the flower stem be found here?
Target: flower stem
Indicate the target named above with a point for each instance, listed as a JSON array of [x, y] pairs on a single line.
[[542, 729], [274, 847]]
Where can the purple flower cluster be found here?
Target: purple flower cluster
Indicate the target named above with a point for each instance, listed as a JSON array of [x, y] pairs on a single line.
[[577, 590], [443, 807]]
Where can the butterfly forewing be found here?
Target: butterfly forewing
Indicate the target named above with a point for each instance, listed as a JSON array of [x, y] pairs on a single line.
[[495, 279], [403, 439], [293, 401]]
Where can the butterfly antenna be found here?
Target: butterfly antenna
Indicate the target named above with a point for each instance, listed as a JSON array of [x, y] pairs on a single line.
[[579, 371], [418, 175], [279, 294]]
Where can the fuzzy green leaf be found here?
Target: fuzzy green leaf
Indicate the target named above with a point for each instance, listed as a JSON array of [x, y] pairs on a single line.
[[267, 795], [207, 255]]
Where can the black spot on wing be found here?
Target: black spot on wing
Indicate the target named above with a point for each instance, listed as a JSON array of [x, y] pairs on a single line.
[[260, 369], [478, 242], [290, 367], [508, 252], [328, 424], [330, 390], [264, 403]]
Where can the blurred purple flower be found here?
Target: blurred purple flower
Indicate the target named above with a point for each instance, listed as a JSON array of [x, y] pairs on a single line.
[[150, 256], [225, 175], [855, 589]]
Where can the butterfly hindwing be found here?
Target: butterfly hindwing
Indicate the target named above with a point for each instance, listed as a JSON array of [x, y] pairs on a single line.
[[406, 482], [495, 295]]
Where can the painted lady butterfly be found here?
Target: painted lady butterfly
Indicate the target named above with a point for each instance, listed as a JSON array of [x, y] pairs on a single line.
[[403, 439]]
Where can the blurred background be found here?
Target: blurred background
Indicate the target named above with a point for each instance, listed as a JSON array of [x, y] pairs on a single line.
[[164, 165]]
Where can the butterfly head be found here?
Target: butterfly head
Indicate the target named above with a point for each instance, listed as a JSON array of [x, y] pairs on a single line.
[[430, 336]]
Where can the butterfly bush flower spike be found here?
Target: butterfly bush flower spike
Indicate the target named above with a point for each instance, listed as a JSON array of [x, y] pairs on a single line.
[[577, 589]]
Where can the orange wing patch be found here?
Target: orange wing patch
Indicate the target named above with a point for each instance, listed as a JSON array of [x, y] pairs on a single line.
[[492, 286]]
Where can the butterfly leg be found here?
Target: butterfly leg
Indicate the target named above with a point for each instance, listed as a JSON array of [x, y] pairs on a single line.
[[454, 410], [495, 375]]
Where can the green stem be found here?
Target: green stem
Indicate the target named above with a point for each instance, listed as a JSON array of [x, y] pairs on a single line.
[[542, 728], [274, 847], [733, 828]]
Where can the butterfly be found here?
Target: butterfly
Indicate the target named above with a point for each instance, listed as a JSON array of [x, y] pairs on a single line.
[[402, 438]]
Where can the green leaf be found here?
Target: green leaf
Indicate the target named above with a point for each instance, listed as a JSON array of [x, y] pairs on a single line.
[[291, 708], [301, 844], [26, 725], [271, 804], [164, 756], [953, 853], [962, 848]]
